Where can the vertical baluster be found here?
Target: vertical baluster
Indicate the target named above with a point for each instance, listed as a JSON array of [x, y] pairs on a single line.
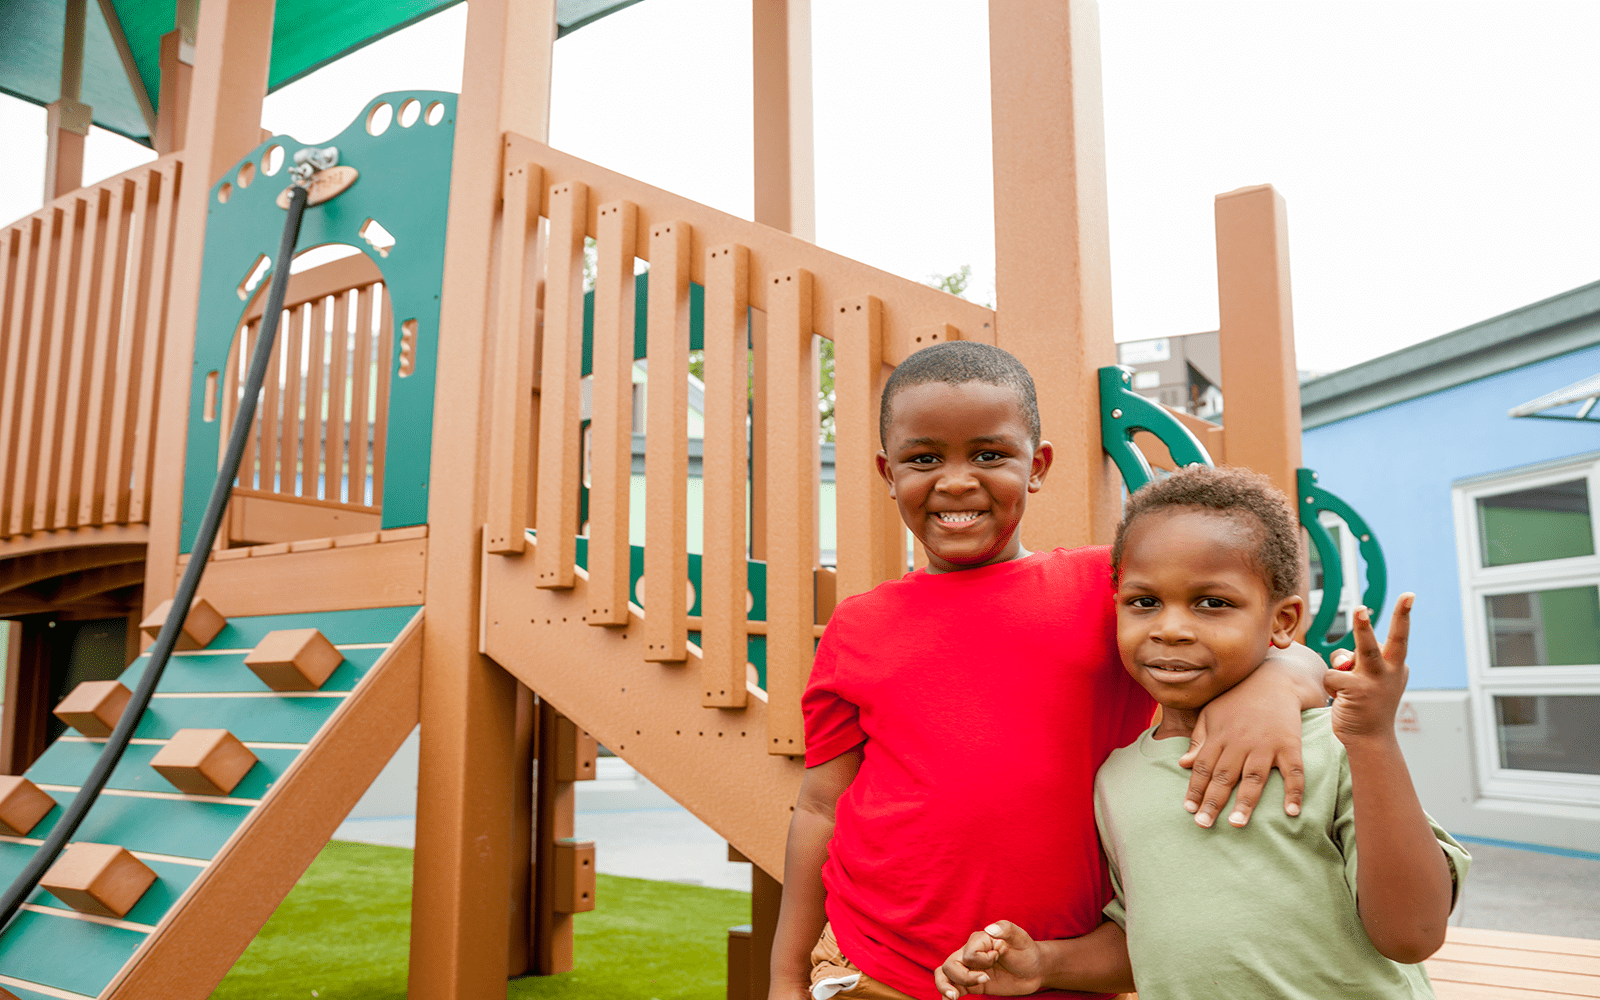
[[514, 361], [559, 402], [611, 427], [791, 502], [75, 403], [314, 314], [723, 574], [869, 527], [30, 418], [360, 401], [52, 415], [292, 335], [238, 360], [268, 417], [91, 501], [166, 190], [19, 249], [338, 392], [666, 446], [130, 354], [386, 366]]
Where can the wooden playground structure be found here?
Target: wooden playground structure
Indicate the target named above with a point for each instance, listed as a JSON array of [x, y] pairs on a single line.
[[507, 611]]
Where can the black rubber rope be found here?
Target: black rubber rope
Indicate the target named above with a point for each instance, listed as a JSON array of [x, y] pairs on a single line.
[[221, 490]]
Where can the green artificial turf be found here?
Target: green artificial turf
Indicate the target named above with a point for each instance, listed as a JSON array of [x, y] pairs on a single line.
[[341, 934]]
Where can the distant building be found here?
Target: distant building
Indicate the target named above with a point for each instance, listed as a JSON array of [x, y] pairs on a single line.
[[1489, 516], [1183, 372]]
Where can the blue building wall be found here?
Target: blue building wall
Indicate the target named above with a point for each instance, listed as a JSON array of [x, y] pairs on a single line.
[[1396, 465]]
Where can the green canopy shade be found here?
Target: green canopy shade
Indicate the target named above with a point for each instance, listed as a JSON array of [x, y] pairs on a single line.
[[307, 34]]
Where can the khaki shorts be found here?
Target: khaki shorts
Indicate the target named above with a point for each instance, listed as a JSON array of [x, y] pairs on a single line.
[[828, 962]]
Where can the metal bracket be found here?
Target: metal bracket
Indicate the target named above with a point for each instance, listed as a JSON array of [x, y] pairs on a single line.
[[1312, 500], [1123, 413]]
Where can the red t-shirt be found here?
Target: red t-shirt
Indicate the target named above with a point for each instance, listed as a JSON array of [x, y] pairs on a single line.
[[986, 699]]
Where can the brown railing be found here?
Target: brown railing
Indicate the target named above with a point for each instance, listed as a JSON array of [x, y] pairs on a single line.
[[313, 465], [793, 293], [83, 302]]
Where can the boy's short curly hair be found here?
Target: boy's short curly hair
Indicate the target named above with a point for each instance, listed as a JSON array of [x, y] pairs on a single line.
[[1233, 492], [956, 362]]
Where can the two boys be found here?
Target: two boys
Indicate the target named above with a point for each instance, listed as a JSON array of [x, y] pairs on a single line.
[[1206, 564], [955, 718]]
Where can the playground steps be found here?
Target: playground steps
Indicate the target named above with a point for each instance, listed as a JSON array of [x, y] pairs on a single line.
[[712, 761], [222, 862]]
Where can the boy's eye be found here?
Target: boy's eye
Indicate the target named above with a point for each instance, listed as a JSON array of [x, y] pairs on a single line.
[[989, 456], [922, 459], [1144, 602], [1213, 603]]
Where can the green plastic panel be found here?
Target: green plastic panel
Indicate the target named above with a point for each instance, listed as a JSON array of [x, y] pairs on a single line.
[[1312, 500], [252, 720], [1123, 413], [69, 762], [641, 314], [64, 953], [22, 994], [222, 672], [405, 185], [181, 828], [340, 627]]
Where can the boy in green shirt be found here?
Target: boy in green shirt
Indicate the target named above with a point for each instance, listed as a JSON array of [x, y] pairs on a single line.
[[1206, 564]]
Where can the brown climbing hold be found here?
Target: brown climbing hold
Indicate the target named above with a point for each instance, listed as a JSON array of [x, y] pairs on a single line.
[[199, 628], [204, 761], [103, 879], [296, 659], [93, 707], [22, 805]]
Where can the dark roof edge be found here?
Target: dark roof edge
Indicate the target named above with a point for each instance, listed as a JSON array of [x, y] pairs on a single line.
[[1534, 332]]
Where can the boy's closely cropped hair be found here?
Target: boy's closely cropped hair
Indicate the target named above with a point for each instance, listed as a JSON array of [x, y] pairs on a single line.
[[1207, 574]]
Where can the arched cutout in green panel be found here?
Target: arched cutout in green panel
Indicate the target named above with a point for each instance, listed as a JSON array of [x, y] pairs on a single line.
[[404, 185]]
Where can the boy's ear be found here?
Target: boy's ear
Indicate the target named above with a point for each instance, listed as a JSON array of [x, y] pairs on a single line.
[[1286, 620], [1043, 455], [883, 470]]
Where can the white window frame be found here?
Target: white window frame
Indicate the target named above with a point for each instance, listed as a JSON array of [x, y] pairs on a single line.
[[1479, 582]]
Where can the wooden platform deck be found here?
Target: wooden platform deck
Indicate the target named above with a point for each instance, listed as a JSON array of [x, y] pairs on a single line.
[[1503, 965]]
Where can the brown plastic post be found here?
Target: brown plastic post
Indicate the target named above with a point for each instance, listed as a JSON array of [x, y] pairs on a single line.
[[560, 403], [513, 398], [723, 574], [1259, 377], [26, 711], [553, 811], [666, 457], [177, 78], [460, 914], [233, 48], [791, 502], [1052, 250], [22, 805], [524, 750], [610, 454], [204, 761], [785, 195], [102, 879], [67, 119], [93, 707], [766, 893]]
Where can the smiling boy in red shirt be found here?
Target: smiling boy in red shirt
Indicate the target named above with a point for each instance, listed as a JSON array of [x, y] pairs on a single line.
[[955, 718]]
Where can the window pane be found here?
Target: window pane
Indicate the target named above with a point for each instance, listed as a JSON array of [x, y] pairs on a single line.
[[1547, 522], [1544, 627], [1549, 733]]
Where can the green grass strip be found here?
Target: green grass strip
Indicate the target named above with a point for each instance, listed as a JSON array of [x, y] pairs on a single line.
[[342, 934]]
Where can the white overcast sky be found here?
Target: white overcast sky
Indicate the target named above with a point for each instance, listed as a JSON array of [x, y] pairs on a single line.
[[1441, 162]]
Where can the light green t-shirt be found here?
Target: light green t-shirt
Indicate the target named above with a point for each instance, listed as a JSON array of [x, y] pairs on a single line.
[[1268, 911]]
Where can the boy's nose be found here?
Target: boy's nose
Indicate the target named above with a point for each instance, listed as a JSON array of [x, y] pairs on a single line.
[[1171, 628], [957, 478]]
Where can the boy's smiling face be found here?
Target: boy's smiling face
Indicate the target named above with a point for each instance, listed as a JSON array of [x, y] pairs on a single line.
[[1194, 613], [960, 464]]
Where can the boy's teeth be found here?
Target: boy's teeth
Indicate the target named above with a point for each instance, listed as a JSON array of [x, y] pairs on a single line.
[[958, 517]]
